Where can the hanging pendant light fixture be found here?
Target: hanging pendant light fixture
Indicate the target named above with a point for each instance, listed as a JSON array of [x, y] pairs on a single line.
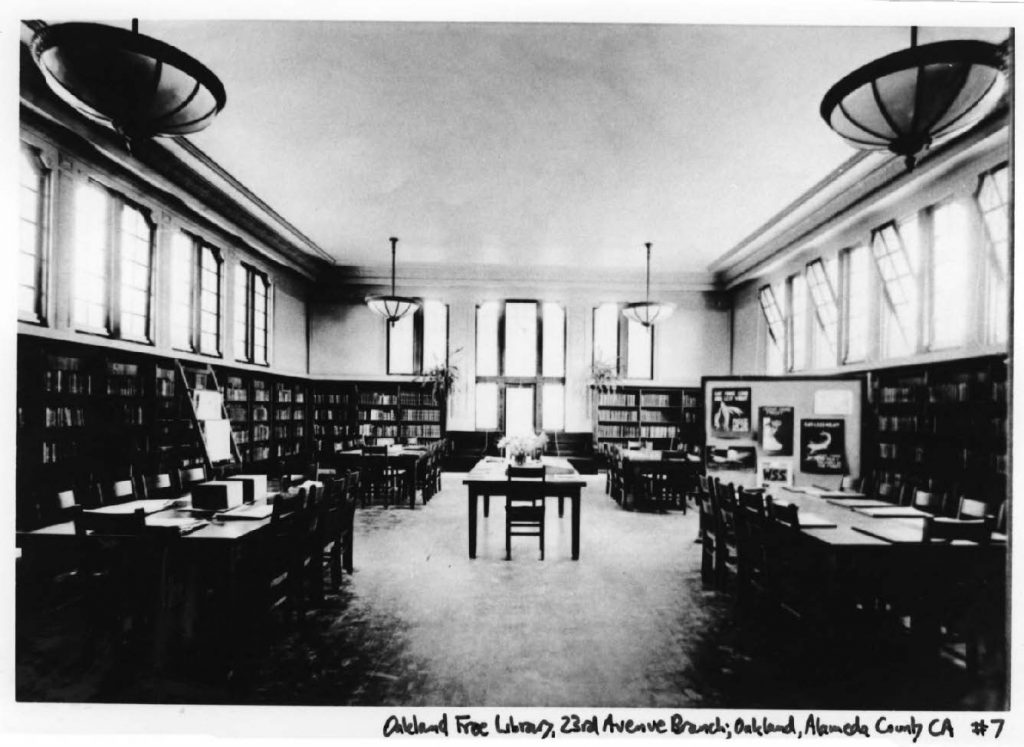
[[392, 307], [906, 101], [647, 312], [137, 85]]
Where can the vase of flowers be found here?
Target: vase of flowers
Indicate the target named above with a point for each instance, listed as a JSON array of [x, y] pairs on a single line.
[[520, 447]]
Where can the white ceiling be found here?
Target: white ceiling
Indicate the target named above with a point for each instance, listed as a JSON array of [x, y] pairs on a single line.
[[563, 145]]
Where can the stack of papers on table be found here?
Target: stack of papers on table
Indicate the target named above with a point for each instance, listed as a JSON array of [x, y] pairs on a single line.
[[248, 511], [179, 524], [893, 512], [859, 503], [149, 506], [814, 521]]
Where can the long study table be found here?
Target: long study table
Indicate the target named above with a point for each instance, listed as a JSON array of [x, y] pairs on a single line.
[[488, 477]]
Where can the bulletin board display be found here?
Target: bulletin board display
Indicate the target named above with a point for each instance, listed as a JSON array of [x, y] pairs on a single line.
[[777, 431]]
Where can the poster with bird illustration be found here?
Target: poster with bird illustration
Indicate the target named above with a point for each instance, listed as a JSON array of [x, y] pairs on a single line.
[[823, 446]]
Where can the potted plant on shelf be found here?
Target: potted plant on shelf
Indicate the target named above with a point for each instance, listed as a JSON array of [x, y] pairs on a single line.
[[604, 378]]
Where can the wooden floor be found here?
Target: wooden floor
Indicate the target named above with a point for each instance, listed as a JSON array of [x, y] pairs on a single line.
[[630, 624]]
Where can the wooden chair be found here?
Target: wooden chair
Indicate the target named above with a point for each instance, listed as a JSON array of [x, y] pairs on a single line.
[[971, 508], [380, 481], [119, 491], [851, 483], [888, 492], [157, 486], [524, 511], [727, 552], [190, 476], [278, 559], [751, 520], [337, 510], [942, 529], [663, 485], [928, 501], [532, 472], [709, 528]]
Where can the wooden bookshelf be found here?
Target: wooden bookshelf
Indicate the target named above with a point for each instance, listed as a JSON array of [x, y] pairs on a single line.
[[663, 417], [942, 426], [334, 418]]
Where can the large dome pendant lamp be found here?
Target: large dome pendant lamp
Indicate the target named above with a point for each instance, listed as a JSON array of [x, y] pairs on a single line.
[[137, 85], [648, 312], [906, 101], [392, 307]]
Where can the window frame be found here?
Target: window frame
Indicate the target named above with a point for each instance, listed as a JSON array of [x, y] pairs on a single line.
[[248, 354], [538, 380], [197, 246], [621, 362], [993, 272], [113, 261], [887, 308], [817, 279], [792, 334], [419, 318], [43, 224]]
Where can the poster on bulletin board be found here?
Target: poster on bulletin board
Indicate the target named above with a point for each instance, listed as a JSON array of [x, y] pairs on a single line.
[[732, 458], [775, 473], [823, 446], [730, 410], [776, 430]]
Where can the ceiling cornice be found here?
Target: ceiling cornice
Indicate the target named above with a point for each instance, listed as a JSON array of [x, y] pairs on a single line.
[[851, 190], [347, 281]]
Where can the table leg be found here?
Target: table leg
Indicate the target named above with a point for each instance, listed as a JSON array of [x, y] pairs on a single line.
[[561, 506], [576, 525], [487, 505], [410, 487], [472, 523]]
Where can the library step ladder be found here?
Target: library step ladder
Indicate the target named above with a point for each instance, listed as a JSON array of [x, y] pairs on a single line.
[[212, 453]]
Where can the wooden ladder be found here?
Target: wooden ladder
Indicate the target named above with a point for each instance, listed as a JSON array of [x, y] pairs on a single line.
[[207, 369]]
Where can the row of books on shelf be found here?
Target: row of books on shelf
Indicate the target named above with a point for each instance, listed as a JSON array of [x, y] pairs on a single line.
[[58, 451], [329, 415], [285, 431], [67, 382], [690, 401], [420, 431], [286, 413], [376, 415], [971, 424], [378, 431], [344, 429], [165, 386], [618, 431], [377, 398], [334, 399], [416, 398], [255, 453], [656, 416], [64, 417], [948, 457], [656, 400], [431, 415], [951, 392], [617, 416], [616, 399], [659, 431]]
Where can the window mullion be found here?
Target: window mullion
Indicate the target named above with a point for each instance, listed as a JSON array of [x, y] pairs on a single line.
[[115, 207]]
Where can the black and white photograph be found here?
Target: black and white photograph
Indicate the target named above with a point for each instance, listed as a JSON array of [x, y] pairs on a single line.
[[459, 369]]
